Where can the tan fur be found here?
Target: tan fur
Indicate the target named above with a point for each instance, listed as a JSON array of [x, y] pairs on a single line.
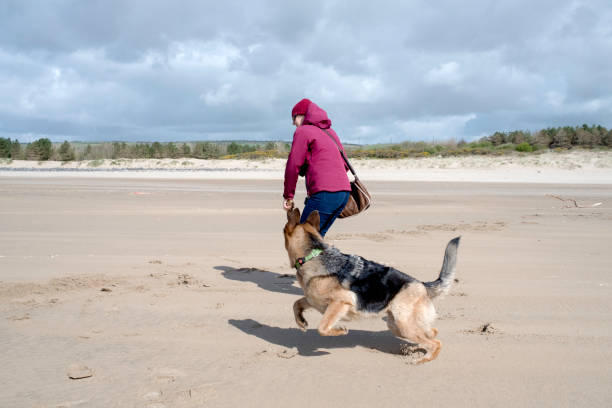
[[409, 314]]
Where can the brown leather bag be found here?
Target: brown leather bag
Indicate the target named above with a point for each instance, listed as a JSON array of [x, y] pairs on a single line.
[[359, 198], [358, 201]]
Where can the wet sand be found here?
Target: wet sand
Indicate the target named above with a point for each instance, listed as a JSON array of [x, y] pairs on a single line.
[[178, 293]]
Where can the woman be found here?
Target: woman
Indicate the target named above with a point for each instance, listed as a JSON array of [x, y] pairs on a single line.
[[315, 153]]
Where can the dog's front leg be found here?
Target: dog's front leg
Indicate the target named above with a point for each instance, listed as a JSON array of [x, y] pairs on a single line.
[[334, 312], [298, 310]]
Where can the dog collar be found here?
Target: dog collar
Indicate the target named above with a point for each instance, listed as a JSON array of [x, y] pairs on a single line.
[[313, 254]]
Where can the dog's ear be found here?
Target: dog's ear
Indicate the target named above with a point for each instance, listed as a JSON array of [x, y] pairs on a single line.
[[293, 218], [314, 219]]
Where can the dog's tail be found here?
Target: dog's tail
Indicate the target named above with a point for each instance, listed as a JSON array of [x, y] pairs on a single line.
[[442, 285]]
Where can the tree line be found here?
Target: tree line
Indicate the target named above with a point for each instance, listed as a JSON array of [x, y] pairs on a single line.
[[552, 138], [499, 143], [43, 149], [565, 137]]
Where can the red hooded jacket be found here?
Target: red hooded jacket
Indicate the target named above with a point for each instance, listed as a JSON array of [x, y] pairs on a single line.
[[312, 146]]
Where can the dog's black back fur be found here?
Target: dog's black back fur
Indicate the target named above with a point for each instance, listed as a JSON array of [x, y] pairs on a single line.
[[378, 286], [374, 285]]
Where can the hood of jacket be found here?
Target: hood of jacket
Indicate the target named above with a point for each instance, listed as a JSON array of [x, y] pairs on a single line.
[[317, 117]]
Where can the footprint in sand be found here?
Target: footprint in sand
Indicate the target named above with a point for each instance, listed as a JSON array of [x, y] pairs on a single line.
[[423, 229], [153, 396], [412, 353], [377, 236], [288, 353], [19, 318], [167, 375], [476, 226]]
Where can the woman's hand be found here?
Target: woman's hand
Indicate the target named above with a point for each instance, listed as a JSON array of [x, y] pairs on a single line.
[[288, 204]]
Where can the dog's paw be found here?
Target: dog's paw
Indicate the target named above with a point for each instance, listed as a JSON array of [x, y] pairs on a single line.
[[339, 331], [302, 323]]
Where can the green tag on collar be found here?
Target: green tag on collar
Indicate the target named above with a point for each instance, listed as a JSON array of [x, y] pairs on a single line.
[[313, 254]]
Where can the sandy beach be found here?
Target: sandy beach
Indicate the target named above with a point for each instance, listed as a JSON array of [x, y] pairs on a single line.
[[173, 288]]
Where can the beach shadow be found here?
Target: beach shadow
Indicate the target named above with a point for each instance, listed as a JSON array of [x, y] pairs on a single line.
[[272, 281], [309, 343]]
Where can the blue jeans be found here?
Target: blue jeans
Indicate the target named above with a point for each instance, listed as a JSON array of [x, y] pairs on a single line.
[[329, 205]]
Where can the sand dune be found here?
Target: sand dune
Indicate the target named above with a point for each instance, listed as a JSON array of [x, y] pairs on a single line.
[[552, 167]]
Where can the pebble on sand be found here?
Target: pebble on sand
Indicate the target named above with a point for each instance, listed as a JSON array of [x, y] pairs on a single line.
[[78, 371]]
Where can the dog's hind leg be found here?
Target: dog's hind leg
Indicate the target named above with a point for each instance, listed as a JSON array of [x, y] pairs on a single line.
[[298, 309], [410, 330], [334, 312], [410, 317]]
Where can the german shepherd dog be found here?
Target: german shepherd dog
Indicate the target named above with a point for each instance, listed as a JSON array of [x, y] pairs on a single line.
[[342, 286]]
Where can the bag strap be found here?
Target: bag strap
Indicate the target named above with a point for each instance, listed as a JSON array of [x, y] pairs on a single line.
[[342, 154]]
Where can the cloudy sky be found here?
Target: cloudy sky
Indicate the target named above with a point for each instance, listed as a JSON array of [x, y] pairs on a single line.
[[148, 70]]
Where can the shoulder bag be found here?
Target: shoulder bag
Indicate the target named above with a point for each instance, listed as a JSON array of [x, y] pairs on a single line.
[[359, 199]]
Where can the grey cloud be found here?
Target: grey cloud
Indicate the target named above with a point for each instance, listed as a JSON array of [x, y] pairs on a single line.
[[137, 70]]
